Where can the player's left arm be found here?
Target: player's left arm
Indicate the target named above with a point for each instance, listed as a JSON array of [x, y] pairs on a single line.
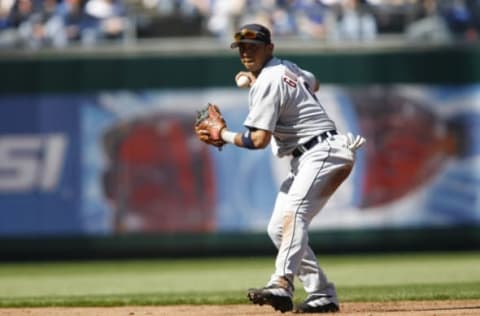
[[211, 128], [251, 138]]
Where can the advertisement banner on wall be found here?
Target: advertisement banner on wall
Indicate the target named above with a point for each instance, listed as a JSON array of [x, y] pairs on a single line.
[[39, 165], [127, 161]]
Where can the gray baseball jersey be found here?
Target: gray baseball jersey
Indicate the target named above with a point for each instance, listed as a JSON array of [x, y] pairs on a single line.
[[281, 101]]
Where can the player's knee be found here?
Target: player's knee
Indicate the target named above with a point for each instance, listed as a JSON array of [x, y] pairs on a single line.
[[275, 234]]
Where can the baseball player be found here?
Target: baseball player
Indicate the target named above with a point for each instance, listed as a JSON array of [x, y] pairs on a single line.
[[284, 112]]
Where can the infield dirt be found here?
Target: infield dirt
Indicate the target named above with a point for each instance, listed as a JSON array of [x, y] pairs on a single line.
[[413, 308]]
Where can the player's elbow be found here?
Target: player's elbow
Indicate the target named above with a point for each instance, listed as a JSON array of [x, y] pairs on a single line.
[[261, 138], [261, 144]]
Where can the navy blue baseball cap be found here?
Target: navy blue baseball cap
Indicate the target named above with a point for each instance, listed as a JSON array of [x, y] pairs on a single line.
[[251, 33]]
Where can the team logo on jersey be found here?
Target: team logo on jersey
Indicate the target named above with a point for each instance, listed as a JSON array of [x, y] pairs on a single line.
[[291, 82]]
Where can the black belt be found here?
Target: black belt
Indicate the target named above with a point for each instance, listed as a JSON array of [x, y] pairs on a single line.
[[297, 152]]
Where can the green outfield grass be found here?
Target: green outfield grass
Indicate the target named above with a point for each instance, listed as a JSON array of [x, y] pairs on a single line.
[[417, 276]]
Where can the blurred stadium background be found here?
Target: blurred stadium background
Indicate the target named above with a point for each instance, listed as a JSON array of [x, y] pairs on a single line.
[[97, 101], [37, 24]]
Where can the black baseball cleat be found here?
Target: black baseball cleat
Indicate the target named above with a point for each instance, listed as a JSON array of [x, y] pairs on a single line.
[[317, 304], [278, 297]]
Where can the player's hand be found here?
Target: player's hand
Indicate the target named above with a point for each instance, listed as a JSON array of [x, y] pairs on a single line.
[[249, 75]]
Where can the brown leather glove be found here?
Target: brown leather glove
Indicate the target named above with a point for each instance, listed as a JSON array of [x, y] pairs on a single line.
[[209, 125]]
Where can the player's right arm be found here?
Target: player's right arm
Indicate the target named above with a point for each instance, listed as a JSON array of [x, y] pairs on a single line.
[[312, 81]]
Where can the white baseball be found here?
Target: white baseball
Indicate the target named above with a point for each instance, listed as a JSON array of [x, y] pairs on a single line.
[[243, 81]]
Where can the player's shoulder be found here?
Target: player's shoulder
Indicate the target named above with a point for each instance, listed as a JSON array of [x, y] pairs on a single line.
[[275, 68], [282, 66], [277, 64]]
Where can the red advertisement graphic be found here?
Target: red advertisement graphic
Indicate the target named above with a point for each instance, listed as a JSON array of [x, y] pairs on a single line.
[[158, 177], [408, 143]]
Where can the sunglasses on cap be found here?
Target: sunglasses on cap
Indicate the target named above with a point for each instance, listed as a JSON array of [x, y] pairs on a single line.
[[250, 35], [247, 34]]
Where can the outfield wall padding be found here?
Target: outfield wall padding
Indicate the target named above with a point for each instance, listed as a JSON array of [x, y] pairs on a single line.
[[39, 77]]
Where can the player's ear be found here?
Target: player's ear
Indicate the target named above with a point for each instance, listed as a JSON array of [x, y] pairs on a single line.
[[269, 49]]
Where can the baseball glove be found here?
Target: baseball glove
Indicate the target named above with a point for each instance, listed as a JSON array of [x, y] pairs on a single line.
[[209, 124]]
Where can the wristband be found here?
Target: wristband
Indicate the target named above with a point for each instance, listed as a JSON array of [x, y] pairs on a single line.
[[228, 136], [247, 140]]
